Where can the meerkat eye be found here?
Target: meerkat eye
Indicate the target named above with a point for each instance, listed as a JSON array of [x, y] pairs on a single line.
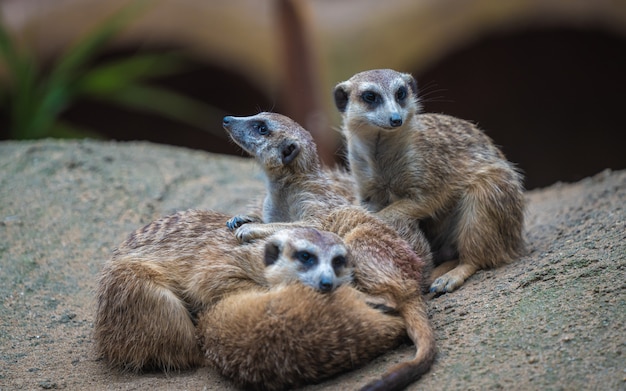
[[401, 94], [261, 128], [370, 97], [306, 258], [339, 262]]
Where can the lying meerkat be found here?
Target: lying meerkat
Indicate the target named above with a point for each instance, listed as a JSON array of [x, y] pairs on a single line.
[[292, 335], [162, 275], [434, 170], [185, 278], [299, 193]]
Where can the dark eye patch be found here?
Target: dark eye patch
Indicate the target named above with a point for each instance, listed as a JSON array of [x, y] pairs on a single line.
[[401, 93], [261, 128], [306, 258], [371, 97], [339, 262]]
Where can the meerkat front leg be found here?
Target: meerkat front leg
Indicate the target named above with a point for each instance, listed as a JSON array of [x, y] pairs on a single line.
[[407, 208], [454, 278], [251, 231], [405, 215]]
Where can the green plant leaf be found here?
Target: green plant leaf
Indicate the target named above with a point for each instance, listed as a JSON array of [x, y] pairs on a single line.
[[37, 99], [117, 75], [20, 92], [56, 91]]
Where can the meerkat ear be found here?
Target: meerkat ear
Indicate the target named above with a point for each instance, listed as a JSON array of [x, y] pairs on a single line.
[[411, 82], [272, 251], [341, 96], [290, 152]]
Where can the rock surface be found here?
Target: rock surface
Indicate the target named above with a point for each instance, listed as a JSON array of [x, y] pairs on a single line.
[[555, 319]]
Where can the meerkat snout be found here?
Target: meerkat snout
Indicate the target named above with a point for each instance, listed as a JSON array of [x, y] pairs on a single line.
[[227, 120], [316, 258], [395, 120]]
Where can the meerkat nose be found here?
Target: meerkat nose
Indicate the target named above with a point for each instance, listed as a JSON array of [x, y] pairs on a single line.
[[227, 120], [395, 120], [326, 284]]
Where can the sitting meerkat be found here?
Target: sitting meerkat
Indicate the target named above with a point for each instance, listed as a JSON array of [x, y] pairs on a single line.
[[299, 193], [164, 275], [435, 171]]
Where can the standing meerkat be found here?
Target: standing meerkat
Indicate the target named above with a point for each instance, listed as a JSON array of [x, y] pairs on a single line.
[[299, 193], [435, 171], [184, 278]]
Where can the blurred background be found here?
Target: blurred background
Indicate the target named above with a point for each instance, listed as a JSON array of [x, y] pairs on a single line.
[[546, 79]]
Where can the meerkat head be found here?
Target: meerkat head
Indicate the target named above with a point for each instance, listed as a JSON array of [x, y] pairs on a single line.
[[318, 259], [276, 141], [380, 99]]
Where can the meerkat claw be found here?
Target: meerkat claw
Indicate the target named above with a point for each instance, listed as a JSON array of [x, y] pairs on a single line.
[[445, 285], [239, 220], [243, 234]]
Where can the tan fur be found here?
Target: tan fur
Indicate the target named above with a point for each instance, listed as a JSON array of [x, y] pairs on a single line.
[[188, 268], [293, 335], [159, 278], [300, 193], [433, 171]]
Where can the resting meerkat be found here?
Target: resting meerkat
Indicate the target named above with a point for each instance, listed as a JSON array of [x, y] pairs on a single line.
[[299, 193], [164, 274], [437, 171], [292, 335]]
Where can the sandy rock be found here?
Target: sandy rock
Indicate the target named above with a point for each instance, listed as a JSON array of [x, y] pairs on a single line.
[[555, 319]]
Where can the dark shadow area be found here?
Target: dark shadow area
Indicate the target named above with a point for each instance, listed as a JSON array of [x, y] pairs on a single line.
[[226, 91], [553, 99]]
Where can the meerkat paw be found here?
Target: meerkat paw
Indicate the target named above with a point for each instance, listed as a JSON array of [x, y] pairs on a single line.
[[239, 220], [251, 231], [445, 284], [453, 279]]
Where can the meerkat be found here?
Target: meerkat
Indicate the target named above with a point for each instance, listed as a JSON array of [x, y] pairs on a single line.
[[294, 334], [165, 273], [184, 278], [300, 193], [433, 171]]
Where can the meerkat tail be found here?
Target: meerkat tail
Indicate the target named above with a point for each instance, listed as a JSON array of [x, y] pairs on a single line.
[[421, 333]]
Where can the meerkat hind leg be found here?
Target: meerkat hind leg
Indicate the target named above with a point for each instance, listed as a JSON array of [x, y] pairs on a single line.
[[461, 228], [486, 228], [140, 323]]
